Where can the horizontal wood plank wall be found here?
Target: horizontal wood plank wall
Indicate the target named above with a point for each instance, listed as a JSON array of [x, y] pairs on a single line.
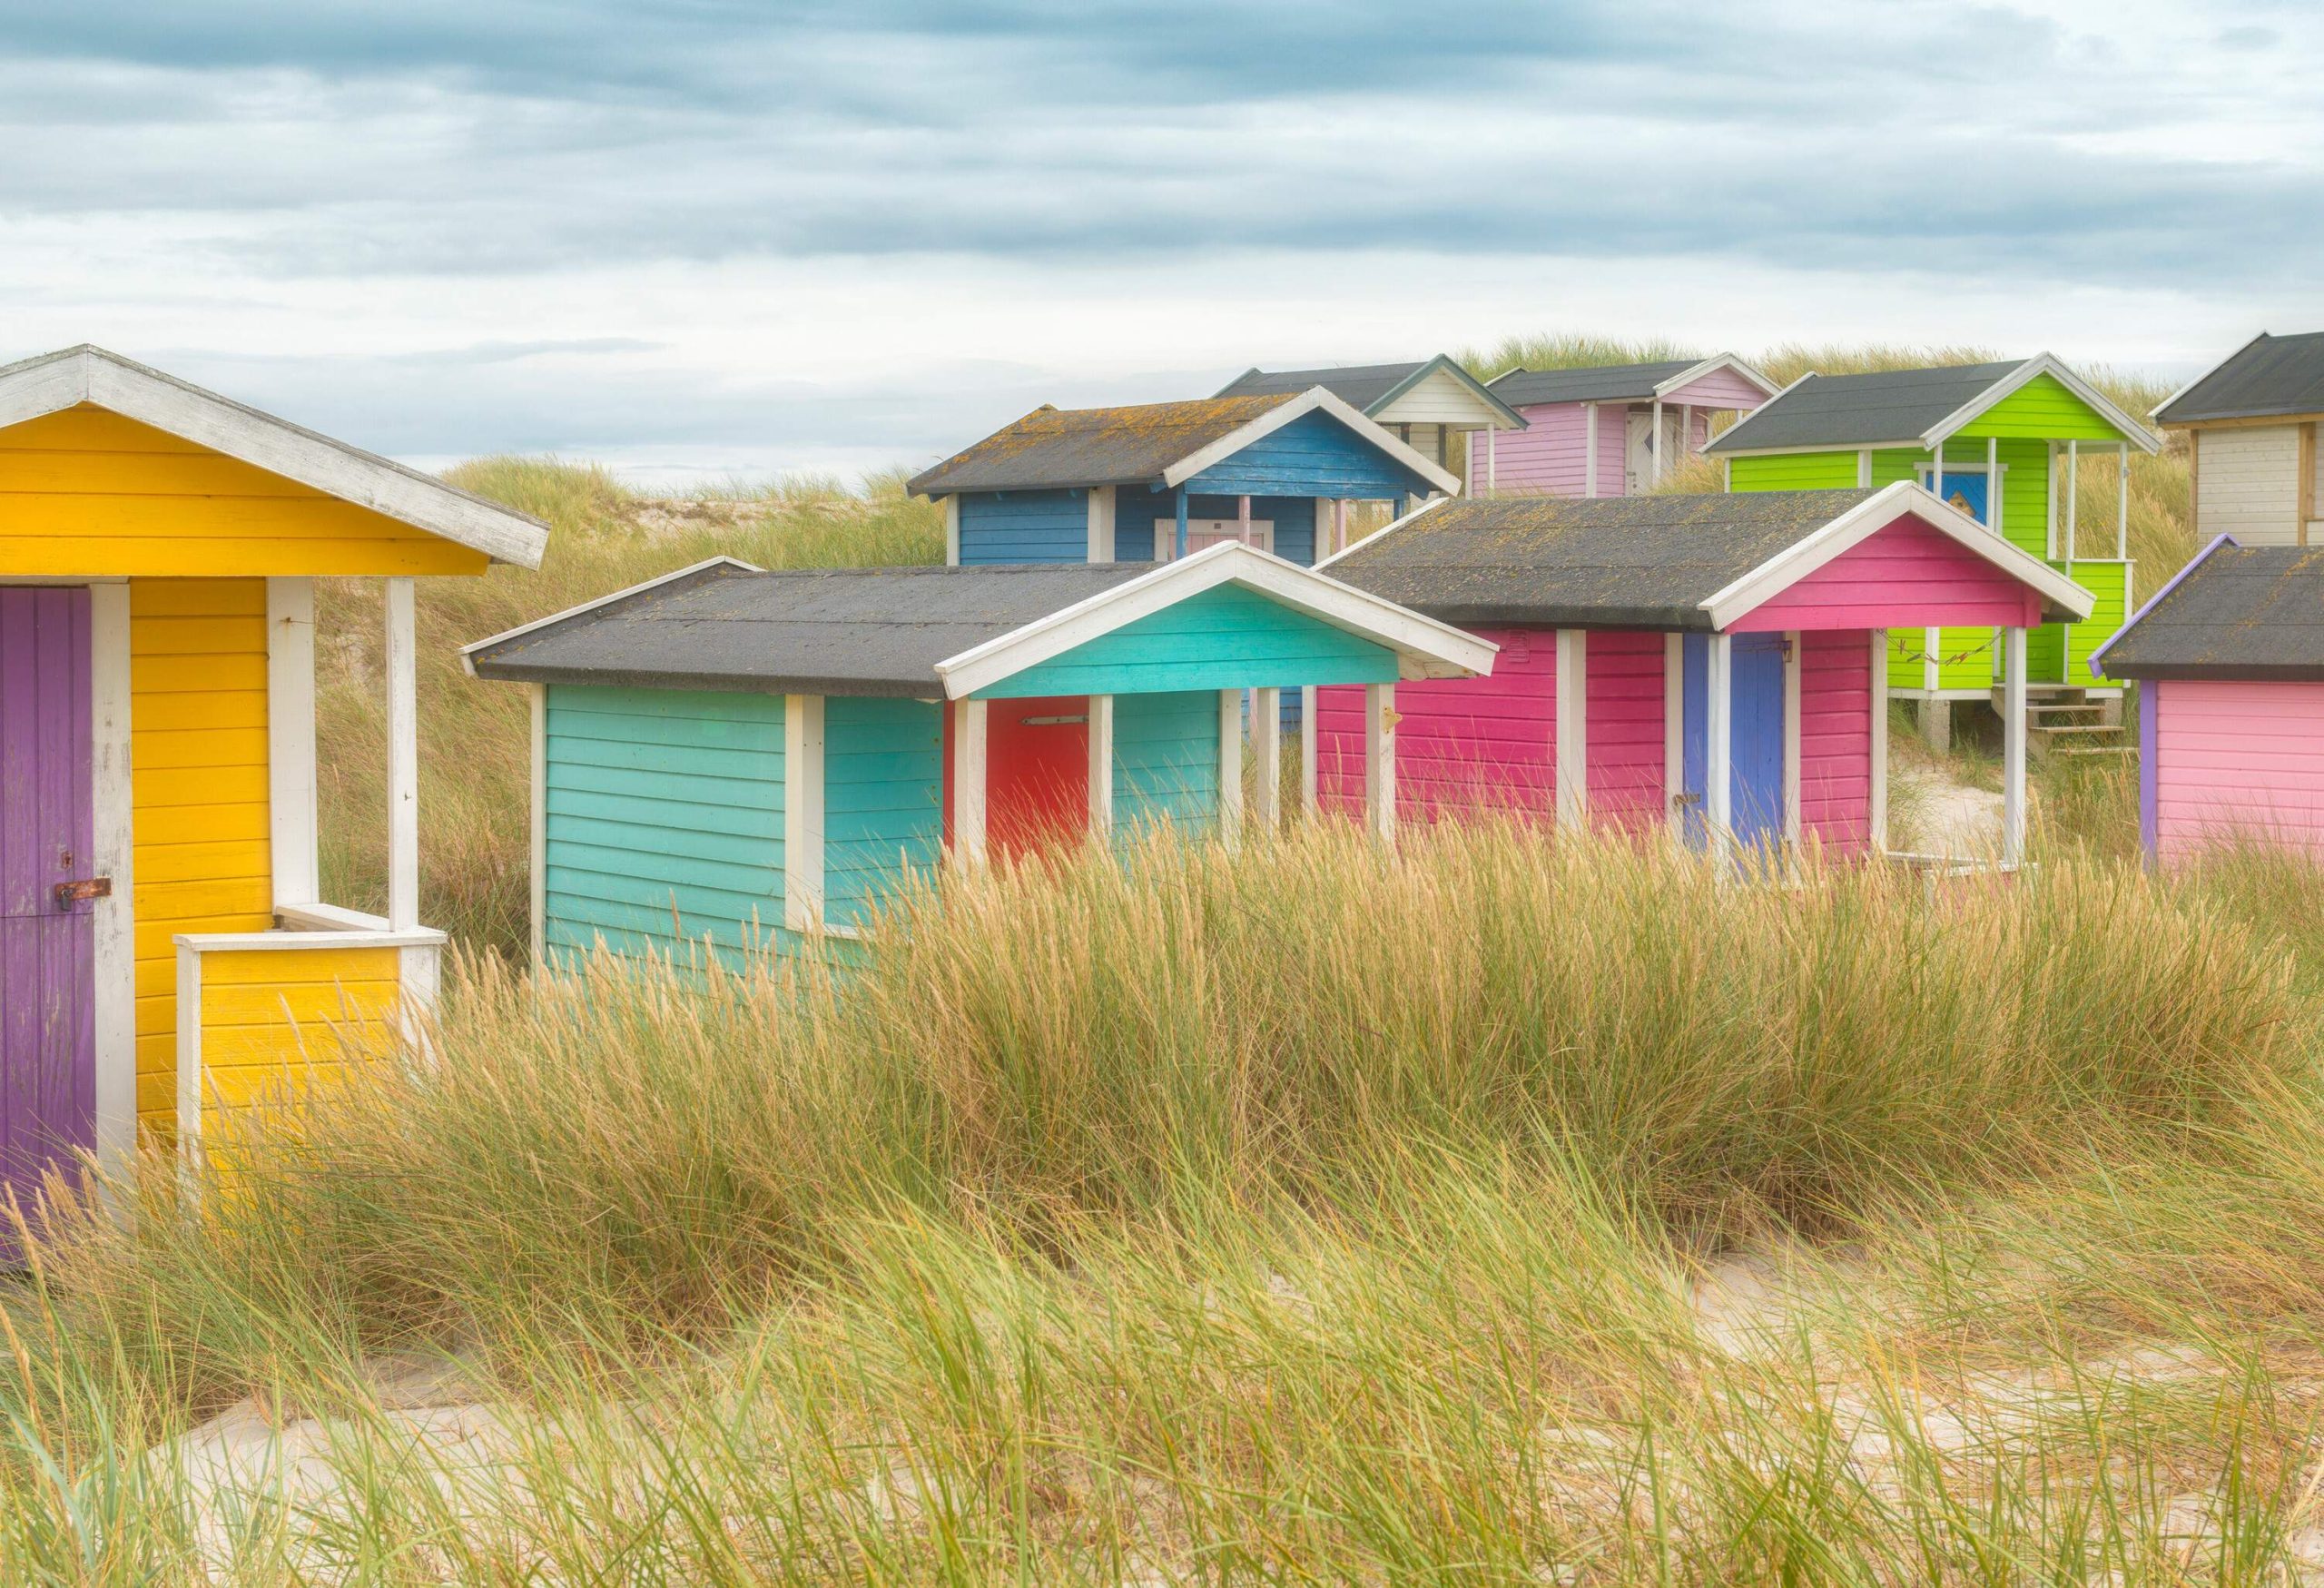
[[1443, 398], [1794, 471], [1165, 761], [1624, 684], [1025, 525], [2237, 760], [1461, 743], [2249, 486], [1721, 388], [1613, 448], [1546, 458], [198, 792], [276, 1024], [2044, 409], [1313, 456], [883, 801], [1226, 638], [1836, 739], [85, 492], [1906, 573], [665, 812], [1139, 513]]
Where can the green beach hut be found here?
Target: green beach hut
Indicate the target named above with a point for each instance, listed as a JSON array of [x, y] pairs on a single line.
[[2000, 441]]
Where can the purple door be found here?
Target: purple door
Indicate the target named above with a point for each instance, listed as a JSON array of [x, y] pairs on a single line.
[[47, 937]]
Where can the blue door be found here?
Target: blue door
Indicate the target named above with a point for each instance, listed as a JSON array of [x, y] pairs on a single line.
[[1754, 784], [1966, 492]]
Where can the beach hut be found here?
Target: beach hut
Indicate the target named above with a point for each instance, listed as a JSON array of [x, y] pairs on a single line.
[[2229, 662], [1614, 429], [1708, 661], [1160, 480], [2251, 423], [1997, 441], [164, 938], [741, 758], [1425, 404]]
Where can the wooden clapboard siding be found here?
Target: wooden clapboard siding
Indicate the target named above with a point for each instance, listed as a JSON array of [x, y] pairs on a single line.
[[1547, 457], [1140, 514], [1166, 760], [1623, 688], [88, 492], [1228, 637], [1024, 525], [883, 816], [2249, 486], [1441, 398], [2045, 409], [2110, 583], [1794, 471], [1314, 455], [665, 812], [198, 751], [1903, 575], [276, 1024], [1721, 388], [1461, 743], [2236, 759], [1836, 739]]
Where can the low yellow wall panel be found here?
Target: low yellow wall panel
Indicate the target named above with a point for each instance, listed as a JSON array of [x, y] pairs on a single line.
[[278, 1024]]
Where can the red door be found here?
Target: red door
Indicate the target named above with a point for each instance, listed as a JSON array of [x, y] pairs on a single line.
[[1037, 773]]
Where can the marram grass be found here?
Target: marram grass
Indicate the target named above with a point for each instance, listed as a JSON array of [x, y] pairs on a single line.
[[1304, 1215]]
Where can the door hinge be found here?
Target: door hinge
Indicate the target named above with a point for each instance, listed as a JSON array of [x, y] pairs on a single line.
[[68, 894]]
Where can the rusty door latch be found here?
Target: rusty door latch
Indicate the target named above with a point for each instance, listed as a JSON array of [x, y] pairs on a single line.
[[68, 894]]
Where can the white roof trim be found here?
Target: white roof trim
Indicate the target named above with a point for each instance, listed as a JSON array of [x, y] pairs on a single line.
[[2206, 375], [1860, 523], [1307, 402], [55, 382], [1425, 648], [468, 651], [1720, 362], [1429, 506], [1802, 378], [2137, 434]]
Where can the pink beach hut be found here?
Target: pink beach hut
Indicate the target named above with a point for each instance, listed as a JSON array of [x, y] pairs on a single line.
[[1706, 661], [2229, 659], [1616, 430]]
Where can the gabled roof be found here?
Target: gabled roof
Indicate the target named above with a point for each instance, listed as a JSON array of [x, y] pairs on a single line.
[[1371, 388], [1167, 443], [1683, 562], [90, 375], [915, 631], [1903, 408], [1617, 382], [2235, 612], [2266, 377]]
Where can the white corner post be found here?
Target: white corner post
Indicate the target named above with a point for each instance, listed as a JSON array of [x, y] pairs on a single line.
[[968, 744], [2013, 750], [2122, 501], [1877, 828], [1379, 761], [1654, 452], [1492, 474], [1572, 718], [1794, 664], [1230, 766], [540, 825], [1718, 753], [1863, 468], [1588, 448], [1101, 523], [1267, 749], [291, 740], [1243, 520], [403, 758], [1101, 765], [1310, 790], [1686, 430], [114, 951], [802, 811], [1993, 483], [952, 532]]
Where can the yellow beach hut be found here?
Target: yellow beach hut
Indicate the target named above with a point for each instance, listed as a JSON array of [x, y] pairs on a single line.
[[163, 939]]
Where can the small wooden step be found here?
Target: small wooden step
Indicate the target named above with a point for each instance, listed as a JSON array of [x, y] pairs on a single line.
[[2098, 750]]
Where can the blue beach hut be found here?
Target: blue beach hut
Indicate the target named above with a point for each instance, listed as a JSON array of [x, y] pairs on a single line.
[[739, 756], [1160, 480]]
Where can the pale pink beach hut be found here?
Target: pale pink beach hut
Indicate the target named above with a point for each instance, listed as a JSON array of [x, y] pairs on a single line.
[[1616, 430]]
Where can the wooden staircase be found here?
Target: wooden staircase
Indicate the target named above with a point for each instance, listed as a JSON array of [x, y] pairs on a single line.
[[2065, 721]]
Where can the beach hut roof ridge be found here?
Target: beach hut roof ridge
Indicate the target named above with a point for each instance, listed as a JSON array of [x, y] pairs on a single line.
[[2267, 375], [1905, 408], [1370, 388], [1641, 382]]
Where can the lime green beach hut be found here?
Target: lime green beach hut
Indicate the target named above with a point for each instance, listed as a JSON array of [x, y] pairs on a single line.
[[2000, 441]]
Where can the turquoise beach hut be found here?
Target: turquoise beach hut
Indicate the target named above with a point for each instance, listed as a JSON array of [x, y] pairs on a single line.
[[748, 757]]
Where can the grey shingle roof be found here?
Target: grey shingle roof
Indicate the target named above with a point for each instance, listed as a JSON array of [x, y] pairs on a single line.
[[1645, 562], [1357, 385], [1597, 384], [822, 631], [1855, 410], [1053, 447], [2272, 375], [2242, 612]]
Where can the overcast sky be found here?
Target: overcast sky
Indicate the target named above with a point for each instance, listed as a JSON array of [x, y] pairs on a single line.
[[725, 236]]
